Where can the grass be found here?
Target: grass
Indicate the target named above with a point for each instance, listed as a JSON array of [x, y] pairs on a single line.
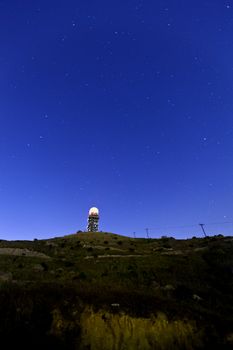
[[106, 331], [171, 293]]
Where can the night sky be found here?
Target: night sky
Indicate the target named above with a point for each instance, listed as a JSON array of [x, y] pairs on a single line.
[[124, 105]]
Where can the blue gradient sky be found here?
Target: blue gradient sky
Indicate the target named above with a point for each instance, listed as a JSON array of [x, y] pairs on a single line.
[[124, 105]]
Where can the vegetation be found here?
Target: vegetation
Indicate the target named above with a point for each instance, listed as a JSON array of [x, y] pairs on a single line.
[[88, 291], [136, 333]]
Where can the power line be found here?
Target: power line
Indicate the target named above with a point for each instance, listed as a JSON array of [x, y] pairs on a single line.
[[171, 227], [182, 226], [220, 223], [187, 226]]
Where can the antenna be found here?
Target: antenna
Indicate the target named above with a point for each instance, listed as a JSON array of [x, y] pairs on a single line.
[[202, 226]]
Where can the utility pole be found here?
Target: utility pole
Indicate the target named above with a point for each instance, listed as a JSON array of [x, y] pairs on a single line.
[[134, 235], [202, 226], [147, 233]]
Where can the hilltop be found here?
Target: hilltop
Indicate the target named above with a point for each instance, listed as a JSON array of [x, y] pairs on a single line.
[[71, 291]]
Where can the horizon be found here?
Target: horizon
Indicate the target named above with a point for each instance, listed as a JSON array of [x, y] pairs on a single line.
[[179, 238], [148, 233]]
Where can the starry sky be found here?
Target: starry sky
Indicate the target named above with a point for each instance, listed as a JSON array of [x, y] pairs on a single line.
[[124, 105]]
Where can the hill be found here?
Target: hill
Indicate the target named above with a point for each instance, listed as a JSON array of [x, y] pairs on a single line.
[[106, 291]]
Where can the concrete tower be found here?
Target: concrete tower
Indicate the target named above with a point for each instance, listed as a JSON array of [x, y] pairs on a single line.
[[93, 220]]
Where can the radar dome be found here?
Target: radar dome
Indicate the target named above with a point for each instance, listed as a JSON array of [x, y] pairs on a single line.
[[94, 211]]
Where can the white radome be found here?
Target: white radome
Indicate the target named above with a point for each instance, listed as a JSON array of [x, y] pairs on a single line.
[[94, 211]]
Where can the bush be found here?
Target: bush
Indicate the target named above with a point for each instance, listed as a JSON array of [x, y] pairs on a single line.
[[182, 292], [82, 276], [45, 266]]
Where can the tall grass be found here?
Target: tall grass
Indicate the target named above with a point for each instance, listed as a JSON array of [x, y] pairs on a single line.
[[108, 331]]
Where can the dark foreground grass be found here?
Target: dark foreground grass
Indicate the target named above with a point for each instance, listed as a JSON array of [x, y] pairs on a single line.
[[171, 295]]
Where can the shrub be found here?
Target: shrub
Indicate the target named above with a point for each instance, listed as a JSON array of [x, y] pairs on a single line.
[[69, 263], [182, 292], [45, 266], [82, 276]]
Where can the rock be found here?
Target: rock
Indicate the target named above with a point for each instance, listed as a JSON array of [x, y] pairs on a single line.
[[51, 244], [155, 285], [38, 268], [5, 276], [169, 287], [22, 252], [196, 297], [229, 338]]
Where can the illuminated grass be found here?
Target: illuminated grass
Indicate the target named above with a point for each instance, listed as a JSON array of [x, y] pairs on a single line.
[[106, 331]]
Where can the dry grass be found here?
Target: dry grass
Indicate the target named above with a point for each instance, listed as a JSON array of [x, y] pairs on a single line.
[[106, 331]]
